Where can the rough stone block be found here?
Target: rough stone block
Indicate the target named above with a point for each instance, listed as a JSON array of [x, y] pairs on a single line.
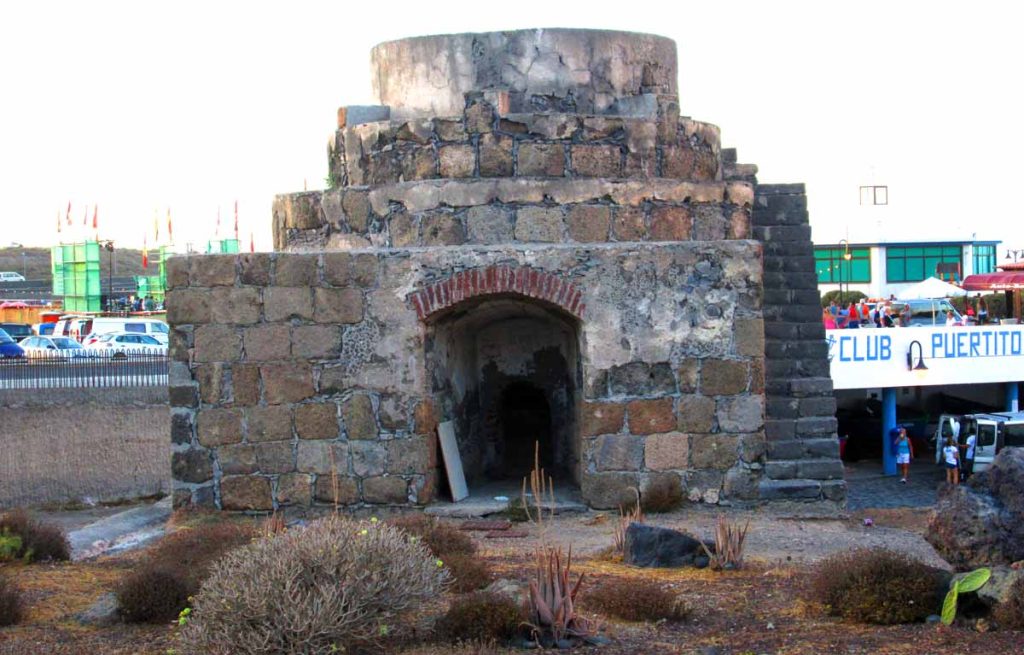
[[269, 423], [338, 305], [286, 383], [176, 268], [677, 162], [667, 451], [822, 447], [629, 224], [713, 451], [317, 421], [316, 341], [216, 427], [709, 224], [609, 490], [239, 459], [781, 470], [489, 224], [182, 422], [235, 306], [345, 269], [589, 223], [789, 489], [688, 375], [704, 486], [295, 489], [741, 484], [393, 413], [211, 382], [752, 447], [193, 465], [816, 426], [834, 490], [217, 343], [539, 224], [390, 490], [441, 228], [740, 413], [642, 379], [254, 269], [457, 161], [541, 160], [601, 418], [184, 395], [739, 224], [749, 337], [450, 129], [357, 413], [723, 377], [295, 270], [670, 223], [596, 160], [820, 469], [284, 303], [339, 489], [695, 414], [650, 416], [212, 270], [412, 456], [188, 306], [245, 493], [356, 205], [275, 456], [817, 406], [618, 452], [495, 156], [266, 343], [317, 457]]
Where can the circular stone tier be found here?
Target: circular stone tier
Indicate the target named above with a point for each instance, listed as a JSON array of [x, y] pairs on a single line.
[[583, 71]]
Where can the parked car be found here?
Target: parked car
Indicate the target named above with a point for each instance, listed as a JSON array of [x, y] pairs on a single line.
[[17, 331], [93, 328], [43, 329], [39, 347], [11, 276], [926, 312], [9, 348], [70, 326], [993, 432], [122, 344]]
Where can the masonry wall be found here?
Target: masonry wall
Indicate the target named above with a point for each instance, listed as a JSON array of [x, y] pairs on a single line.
[[82, 446]]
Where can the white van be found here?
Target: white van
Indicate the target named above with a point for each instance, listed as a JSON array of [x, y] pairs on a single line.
[[94, 328], [70, 326], [993, 431], [11, 276]]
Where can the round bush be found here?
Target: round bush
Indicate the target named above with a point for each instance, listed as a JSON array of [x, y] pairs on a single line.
[[635, 600], [468, 572], [150, 595], [480, 615], [878, 586], [333, 586]]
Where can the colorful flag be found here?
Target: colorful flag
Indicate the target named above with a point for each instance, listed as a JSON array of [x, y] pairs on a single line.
[[252, 244], [68, 216], [170, 233], [95, 217], [145, 253], [85, 217], [236, 220]]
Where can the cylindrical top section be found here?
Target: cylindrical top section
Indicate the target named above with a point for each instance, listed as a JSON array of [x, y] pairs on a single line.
[[582, 71]]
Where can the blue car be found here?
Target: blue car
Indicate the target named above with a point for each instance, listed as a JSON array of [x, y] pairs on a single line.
[[9, 348]]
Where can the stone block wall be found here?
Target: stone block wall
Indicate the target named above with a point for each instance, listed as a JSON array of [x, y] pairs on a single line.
[[803, 449]]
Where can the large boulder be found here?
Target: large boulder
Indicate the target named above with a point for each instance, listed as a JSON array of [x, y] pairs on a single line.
[[982, 523], [652, 547]]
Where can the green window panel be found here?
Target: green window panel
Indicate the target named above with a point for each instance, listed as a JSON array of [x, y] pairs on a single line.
[[916, 263], [833, 268], [984, 259]]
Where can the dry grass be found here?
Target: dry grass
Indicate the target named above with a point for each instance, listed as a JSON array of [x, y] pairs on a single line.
[[632, 599]]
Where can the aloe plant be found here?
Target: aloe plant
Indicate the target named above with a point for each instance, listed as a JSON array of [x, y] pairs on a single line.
[[552, 600], [973, 581]]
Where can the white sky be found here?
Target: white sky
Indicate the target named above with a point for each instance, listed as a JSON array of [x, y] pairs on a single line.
[[139, 106]]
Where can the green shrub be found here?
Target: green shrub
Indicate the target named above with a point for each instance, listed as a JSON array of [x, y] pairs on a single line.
[[468, 572], [160, 584], [635, 600], [334, 585], [11, 605], [847, 297], [877, 586], [443, 539], [1010, 614], [663, 494], [40, 542], [481, 615]]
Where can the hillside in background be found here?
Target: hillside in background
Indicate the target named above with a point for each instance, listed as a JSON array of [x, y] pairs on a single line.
[[35, 264]]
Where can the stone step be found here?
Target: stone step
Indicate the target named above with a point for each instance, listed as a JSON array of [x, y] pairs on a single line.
[[802, 489], [808, 469]]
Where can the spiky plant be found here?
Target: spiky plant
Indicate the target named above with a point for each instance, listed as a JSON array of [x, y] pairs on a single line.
[[552, 600], [634, 515], [729, 540]]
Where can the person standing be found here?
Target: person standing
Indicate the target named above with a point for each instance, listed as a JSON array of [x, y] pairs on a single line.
[[904, 453], [905, 315], [828, 319], [951, 460], [967, 466], [982, 311]]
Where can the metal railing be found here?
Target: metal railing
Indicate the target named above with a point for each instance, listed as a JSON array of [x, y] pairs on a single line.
[[84, 369]]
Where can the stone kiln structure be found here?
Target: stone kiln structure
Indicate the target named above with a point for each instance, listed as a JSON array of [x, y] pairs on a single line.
[[524, 238]]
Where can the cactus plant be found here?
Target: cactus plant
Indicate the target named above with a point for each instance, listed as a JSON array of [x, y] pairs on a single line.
[[973, 581]]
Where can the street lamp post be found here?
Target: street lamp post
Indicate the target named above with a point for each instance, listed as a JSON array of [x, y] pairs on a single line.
[[846, 257]]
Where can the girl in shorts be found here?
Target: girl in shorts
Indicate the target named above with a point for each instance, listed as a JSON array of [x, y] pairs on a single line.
[[904, 453], [951, 458]]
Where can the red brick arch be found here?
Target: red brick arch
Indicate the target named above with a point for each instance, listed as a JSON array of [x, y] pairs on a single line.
[[523, 281]]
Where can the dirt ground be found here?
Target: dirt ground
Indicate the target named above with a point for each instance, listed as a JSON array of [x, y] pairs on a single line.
[[759, 609]]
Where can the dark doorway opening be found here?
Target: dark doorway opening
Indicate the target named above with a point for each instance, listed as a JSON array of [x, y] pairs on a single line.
[[525, 426]]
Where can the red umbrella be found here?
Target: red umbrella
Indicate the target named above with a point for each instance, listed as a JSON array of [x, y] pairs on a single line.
[[13, 304]]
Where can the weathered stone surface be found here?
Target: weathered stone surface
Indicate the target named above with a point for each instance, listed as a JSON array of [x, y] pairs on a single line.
[[722, 377], [601, 418], [670, 223], [589, 223], [441, 228], [667, 451], [217, 343], [269, 423], [295, 489], [212, 270], [275, 456], [368, 458], [357, 413], [695, 414], [650, 416], [688, 375], [385, 490], [741, 413], [629, 224], [410, 456], [338, 305], [211, 382], [741, 484], [596, 160], [254, 268], [713, 451], [176, 268], [317, 421], [541, 160], [243, 493], [287, 383], [316, 341], [450, 129], [283, 303], [642, 379], [539, 224], [193, 465], [609, 490], [649, 546], [237, 460], [356, 205], [266, 343], [457, 161], [344, 269], [618, 452], [317, 456], [295, 270], [495, 156], [749, 337], [337, 489], [489, 224], [216, 427], [182, 422], [245, 385], [235, 306]]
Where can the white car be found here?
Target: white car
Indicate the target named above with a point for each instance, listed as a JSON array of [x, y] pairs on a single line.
[[53, 347], [122, 344]]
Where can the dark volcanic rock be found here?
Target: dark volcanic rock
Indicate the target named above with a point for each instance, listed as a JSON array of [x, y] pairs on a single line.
[[653, 547], [982, 523]]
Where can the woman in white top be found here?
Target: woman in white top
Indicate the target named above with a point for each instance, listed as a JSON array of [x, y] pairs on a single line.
[[951, 460]]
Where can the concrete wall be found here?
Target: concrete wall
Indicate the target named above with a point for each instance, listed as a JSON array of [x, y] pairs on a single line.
[[83, 445]]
